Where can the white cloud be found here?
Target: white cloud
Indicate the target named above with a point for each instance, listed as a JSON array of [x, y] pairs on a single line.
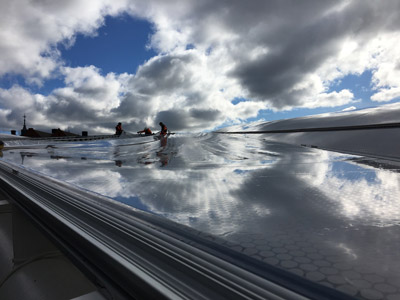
[[379, 205], [92, 89], [30, 31], [332, 99], [385, 95], [276, 55], [270, 50], [18, 101], [350, 108]]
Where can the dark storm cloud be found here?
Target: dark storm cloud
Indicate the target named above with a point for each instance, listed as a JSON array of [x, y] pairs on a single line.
[[299, 38], [272, 74], [66, 109], [134, 105], [164, 74], [92, 92], [179, 119], [256, 20], [205, 114], [174, 119], [306, 41]]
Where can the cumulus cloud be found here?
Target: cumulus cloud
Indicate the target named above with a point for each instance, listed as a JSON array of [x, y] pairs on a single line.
[[17, 101], [183, 90], [277, 55], [31, 31], [387, 94], [90, 89], [275, 48]]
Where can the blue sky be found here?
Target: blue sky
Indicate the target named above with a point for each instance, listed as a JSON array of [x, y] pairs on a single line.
[[196, 65], [119, 46]]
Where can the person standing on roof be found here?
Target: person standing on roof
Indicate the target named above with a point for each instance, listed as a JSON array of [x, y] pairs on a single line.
[[164, 129], [118, 129], [146, 131]]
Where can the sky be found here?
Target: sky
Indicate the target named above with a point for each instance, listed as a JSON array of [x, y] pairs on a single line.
[[195, 65]]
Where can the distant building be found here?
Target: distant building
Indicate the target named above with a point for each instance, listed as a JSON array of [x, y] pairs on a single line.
[[33, 133], [59, 132]]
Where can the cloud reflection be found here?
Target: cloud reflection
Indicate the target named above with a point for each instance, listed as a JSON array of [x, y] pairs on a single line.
[[252, 192], [220, 183]]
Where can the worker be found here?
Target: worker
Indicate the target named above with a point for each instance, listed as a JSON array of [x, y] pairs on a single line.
[[146, 131], [164, 129], [118, 129]]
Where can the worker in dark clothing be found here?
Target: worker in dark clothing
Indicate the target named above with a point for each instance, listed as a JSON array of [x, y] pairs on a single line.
[[164, 129], [146, 131], [118, 129]]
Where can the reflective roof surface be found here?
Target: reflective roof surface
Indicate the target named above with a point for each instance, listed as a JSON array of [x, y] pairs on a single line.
[[332, 218]]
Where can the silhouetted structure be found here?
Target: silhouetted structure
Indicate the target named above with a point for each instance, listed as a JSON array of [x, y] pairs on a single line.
[[59, 132], [36, 133], [33, 133], [24, 130]]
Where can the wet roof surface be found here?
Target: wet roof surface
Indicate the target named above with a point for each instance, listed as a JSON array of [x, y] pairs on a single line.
[[330, 217]]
